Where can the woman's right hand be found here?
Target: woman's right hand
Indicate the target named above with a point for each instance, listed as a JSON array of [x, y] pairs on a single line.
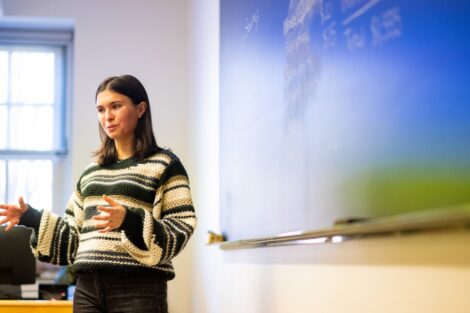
[[11, 213]]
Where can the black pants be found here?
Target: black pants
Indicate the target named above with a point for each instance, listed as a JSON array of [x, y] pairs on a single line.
[[112, 293]]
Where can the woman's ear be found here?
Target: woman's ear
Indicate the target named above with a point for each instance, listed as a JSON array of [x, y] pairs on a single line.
[[141, 108]]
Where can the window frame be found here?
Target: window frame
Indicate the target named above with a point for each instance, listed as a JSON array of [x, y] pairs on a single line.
[[57, 33]]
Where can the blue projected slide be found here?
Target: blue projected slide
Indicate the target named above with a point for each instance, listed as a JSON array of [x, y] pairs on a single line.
[[334, 109]]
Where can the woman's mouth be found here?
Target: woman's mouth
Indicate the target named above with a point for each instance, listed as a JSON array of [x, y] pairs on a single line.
[[111, 128]]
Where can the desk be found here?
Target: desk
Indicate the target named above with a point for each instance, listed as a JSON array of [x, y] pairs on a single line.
[[35, 306]]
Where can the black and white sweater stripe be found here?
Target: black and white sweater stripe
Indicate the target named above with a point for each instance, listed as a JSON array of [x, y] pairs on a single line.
[[159, 219]]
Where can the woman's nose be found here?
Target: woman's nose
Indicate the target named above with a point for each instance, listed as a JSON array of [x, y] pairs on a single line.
[[109, 115]]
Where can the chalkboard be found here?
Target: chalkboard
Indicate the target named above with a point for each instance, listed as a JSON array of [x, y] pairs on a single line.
[[338, 109]]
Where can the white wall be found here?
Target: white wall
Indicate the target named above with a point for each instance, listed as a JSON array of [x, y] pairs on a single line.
[[409, 273], [148, 39]]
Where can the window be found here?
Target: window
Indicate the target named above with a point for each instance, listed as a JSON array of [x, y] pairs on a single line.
[[34, 71]]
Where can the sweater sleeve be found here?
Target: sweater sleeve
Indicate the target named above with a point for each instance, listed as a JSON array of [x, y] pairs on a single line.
[[156, 237], [55, 239]]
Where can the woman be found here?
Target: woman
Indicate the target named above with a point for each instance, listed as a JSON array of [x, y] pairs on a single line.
[[130, 214]]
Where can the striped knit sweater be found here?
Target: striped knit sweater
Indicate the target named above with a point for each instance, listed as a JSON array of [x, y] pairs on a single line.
[[159, 219]]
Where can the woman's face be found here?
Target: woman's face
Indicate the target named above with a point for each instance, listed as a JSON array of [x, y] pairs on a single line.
[[118, 115]]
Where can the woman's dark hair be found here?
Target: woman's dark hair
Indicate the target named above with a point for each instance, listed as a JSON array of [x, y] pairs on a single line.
[[144, 143]]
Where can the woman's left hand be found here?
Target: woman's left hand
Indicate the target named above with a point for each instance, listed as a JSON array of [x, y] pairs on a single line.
[[110, 217]]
